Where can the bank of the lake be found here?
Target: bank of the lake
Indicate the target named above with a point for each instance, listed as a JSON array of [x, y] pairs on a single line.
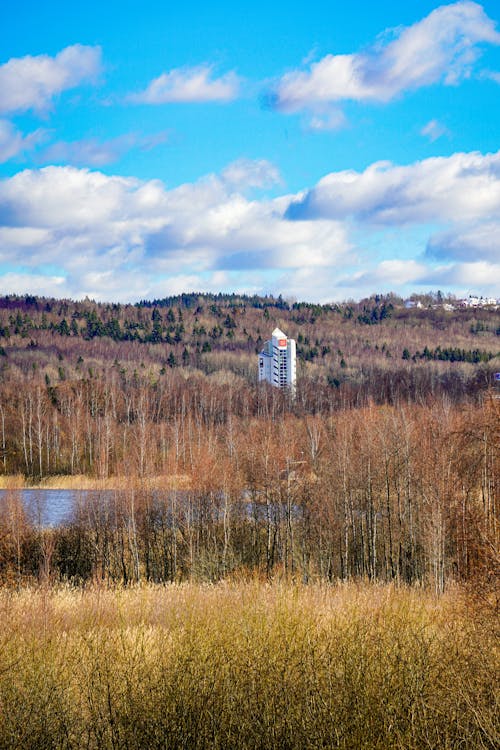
[[86, 482], [53, 500]]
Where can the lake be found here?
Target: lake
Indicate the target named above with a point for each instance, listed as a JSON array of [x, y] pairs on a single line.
[[46, 507], [49, 507]]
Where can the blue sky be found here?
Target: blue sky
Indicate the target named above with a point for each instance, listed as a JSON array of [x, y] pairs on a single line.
[[324, 151]]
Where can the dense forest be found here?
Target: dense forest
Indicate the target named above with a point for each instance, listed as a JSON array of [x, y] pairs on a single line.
[[384, 465], [346, 352]]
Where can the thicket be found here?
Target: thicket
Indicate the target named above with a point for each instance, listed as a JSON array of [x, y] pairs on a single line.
[[407, 493], [247, 666]]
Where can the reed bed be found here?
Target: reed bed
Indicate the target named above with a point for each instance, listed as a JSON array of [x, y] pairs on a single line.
[[87, 482], [247, 665], [12, 481]]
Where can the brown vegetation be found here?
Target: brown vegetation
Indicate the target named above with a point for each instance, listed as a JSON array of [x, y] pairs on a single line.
[[377, 486], [384, 466], [375, 348], [405, 493], [247, 666]]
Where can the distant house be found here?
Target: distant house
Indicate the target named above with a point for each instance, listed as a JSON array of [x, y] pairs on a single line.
[[411, 303], [474, 301]]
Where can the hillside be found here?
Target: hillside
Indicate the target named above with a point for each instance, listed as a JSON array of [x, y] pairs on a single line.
[[52, 341]]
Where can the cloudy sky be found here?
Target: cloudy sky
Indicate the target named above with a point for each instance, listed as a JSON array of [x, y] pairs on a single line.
[[320, 150]]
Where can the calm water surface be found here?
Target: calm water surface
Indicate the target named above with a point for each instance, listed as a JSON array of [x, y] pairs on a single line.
[[49, 507], [46, 507]]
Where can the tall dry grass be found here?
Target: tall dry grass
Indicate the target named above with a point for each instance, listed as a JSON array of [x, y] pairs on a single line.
[[247, 665], [12, 481], [87, 482]]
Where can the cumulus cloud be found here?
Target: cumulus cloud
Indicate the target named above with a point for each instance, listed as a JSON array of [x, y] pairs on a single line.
[[481, 242], [441, 48], [394, 273], [467, 275], [79, 219], [124, 238], [33, 283], [464, 186], [328, 284], [33, 82], [195, 84], [308, 283], [390, 275], [14, 238], [399, 274]]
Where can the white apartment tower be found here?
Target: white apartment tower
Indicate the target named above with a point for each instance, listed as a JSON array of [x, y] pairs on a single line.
[[277, 361]]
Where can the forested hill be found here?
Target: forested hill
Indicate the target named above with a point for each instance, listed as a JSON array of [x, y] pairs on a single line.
[[338, 343]]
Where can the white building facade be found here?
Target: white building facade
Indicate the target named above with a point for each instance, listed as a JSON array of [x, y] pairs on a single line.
[[278, 361]]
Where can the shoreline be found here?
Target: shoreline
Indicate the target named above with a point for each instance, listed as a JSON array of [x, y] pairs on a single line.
[[84, 482]]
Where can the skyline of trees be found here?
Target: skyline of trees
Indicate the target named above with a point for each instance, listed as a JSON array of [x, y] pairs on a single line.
[[59, 340]]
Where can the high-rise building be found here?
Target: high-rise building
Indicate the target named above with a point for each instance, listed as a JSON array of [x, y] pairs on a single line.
[[277, 361]]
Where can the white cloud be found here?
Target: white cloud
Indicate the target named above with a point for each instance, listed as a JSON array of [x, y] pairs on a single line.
[[78, 220], [333, 120], [91, 152], [59, 198], [251, 173], [440, 48], [403, 276], [391, 275], [13, 142], [189, 85], [122, 285], [32, 283], [461, 187], [15, 238], [493, 75], [32, 82], [122, 238], [434, 130], [308, 283], [394, 272], [480, 242], [479, 274], [88, 152]]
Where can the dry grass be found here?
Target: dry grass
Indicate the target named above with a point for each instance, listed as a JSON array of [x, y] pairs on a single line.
[[12, 481], [246, 665], [86, 482]]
